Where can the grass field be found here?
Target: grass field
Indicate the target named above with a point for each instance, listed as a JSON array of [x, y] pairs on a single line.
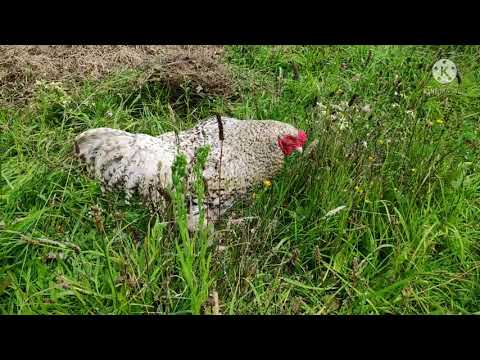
[[382, 217]]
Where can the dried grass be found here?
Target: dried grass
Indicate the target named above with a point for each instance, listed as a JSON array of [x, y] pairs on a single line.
[[199, 67]]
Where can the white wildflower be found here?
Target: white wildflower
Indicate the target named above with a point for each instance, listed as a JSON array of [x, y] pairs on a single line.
[[343, 125], [367, 109], [322, 108]]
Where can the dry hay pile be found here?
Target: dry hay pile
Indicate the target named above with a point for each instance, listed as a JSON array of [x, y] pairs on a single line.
[[199, 67]]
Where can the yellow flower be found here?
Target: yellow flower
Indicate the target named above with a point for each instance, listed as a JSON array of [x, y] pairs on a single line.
[[439, 121], [413, 170], [371, 158], [380, 142], [267, 184], [358, 189]]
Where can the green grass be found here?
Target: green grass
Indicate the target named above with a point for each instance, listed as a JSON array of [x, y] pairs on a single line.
[[406, 174]]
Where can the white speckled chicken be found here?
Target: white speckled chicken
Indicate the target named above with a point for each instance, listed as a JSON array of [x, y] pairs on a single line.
[[253, 150]]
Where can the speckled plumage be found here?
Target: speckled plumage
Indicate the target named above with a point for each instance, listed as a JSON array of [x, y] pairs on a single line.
[[137, 162]]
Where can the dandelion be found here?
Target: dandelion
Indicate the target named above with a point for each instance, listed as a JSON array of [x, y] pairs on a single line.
[[439, 121], [413, 170], [267, 184]]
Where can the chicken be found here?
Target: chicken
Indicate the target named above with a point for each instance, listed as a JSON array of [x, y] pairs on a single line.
[[252, 150]]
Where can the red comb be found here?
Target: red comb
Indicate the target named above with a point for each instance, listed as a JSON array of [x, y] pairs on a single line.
[[288, 143], [302, 136]]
